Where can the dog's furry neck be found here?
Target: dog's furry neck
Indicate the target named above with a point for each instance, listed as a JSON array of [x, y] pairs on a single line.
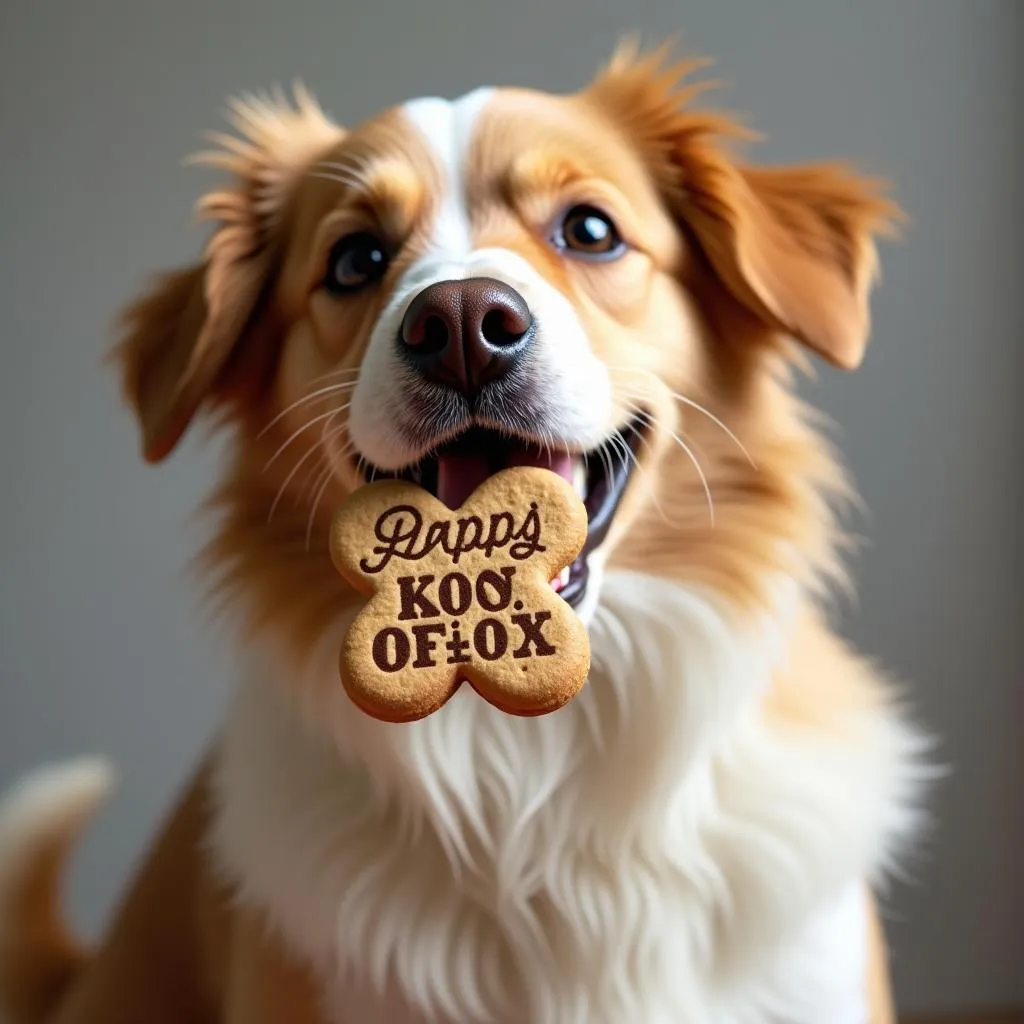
[[658, 849], [626, 858]]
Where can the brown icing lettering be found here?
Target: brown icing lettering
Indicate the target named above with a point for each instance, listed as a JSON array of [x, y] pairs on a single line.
[[528, 536], [425, 647], [392, 647], [462, 595], [401, 533], [532, 626], [410, 595], [494, 589], [490, 639], [391, 657], [454, 593], [457, 647]]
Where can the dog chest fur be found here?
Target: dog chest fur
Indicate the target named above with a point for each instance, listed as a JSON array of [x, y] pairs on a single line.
[[658, 850]]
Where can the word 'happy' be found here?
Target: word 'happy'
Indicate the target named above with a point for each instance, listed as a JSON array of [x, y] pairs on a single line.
[[400, 531]]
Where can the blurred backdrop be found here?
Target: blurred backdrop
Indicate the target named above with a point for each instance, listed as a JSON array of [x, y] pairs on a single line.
[[101, 648]]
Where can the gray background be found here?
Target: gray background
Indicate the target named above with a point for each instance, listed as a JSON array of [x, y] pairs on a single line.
[[100, 646]]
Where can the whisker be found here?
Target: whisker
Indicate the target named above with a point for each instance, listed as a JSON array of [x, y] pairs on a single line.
[[316, 419], [622, 449], [335, 373], [644, 415], [326, 458], [334, 165], [647, 417], [693, 405], [351, 182], [314, 474], [696, 464], [605, 461], [700, 472], [320, 484], [718, 423], [333, 459], [350, 170], [316, 501], [619, 440], [317, 446], [313, 449], [629, 451], [333, 389], [343, 167], [346, 450]]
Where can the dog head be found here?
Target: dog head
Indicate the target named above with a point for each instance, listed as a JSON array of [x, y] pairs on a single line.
[[590, 283]]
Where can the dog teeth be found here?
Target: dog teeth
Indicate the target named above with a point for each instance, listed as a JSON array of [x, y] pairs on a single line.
[[561, 579], [579, 476]]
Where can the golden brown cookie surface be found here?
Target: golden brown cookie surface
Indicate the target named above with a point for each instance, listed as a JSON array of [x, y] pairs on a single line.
[[462, 595]]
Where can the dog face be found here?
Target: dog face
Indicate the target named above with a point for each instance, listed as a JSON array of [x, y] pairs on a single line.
[[587, 283]]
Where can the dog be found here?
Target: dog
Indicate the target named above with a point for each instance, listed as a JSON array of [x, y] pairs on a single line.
[[597, 283]]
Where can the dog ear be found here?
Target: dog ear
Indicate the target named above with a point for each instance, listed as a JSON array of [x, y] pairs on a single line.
[[794, 245], [180, 341]]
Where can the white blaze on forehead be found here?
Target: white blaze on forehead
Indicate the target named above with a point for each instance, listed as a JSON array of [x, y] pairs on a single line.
[[448, 127], [569, 395]]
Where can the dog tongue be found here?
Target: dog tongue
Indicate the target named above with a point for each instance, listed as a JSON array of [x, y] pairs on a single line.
[[459, 475], [557, 462]]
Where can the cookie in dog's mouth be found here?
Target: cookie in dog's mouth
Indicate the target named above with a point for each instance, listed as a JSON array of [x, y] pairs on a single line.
[[453, 471]]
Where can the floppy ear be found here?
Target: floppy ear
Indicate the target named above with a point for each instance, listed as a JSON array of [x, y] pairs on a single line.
[[793, 245], [180, 337]]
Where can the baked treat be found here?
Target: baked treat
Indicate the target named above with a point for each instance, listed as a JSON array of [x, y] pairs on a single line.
[[462, 595]]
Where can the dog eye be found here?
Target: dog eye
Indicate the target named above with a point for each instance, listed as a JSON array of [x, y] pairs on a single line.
[[354, 262], [589, 232]]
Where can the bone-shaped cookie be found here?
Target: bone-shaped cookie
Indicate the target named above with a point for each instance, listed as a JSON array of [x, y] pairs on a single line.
[[462, 595]]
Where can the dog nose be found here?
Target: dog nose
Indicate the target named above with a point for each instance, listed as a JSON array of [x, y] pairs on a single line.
[[465, 334]]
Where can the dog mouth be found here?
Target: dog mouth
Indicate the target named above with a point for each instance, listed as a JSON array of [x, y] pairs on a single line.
[[458, 467]]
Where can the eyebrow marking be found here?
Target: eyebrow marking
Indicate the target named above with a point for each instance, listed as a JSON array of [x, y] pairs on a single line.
[[388, 188], [543, 169], [448, 127]]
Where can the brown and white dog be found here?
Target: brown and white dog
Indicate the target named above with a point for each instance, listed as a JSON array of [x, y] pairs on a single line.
[[591, 280]]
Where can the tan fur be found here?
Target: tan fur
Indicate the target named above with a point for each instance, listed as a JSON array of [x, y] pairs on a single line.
[[177, 950], [180, 336], [729, 262], [39, 958]]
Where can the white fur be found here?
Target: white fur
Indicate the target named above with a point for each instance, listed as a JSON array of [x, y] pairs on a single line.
[[569, 398], [448, 128], [656, 851]]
